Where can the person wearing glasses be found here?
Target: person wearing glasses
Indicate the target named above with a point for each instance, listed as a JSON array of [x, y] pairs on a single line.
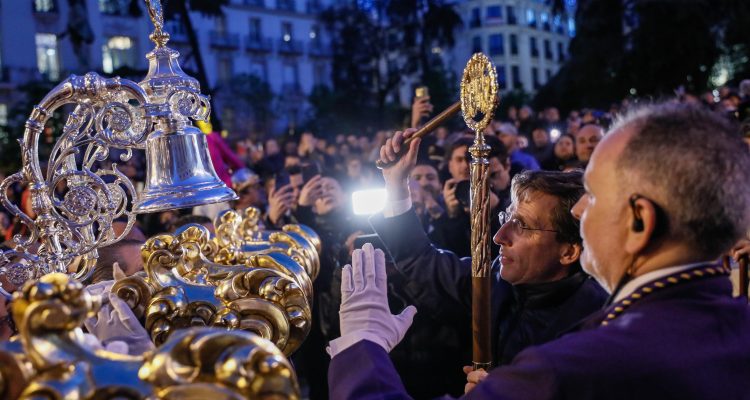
[[654, 233], [539, 288]]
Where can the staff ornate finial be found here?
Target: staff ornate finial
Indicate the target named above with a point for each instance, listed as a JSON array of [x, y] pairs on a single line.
[[157, 18]]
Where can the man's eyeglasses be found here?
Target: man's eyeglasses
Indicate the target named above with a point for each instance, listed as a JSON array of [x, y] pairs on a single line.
[[516, 226]]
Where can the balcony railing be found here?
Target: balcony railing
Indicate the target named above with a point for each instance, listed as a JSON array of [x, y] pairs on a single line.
[[314, 7], [224, 40], [254, 3], [259, 44], [318, 49], [286, 5], [290, 46]]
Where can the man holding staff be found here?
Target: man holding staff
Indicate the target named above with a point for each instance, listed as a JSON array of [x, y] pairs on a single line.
[[653, 232]]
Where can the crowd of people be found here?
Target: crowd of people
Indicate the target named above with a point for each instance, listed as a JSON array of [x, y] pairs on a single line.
[[545, 256]]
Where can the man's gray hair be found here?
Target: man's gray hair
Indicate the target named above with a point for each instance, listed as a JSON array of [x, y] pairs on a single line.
[[692, 163]]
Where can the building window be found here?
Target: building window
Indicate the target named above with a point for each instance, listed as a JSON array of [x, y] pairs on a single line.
[[513, 44], [320, 74], [497, 47], [501, 77], [494, 12], [560, 52], [286, 31], [545, 21], [224, 71], [117, 52], [511, 12], [3, 114], [532, 46], [535, 77], [114, 7], [515, 74], [46, 56], [220, 24], [476, 18], [290, 78], [45, 6], [476, 44], [531, 18], [314, 33], [254, 28], [571, 27], [557, 23], [258, 68], [547, 49]]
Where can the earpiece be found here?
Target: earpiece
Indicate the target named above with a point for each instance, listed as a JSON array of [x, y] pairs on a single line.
[[637, 220], [638, 225]]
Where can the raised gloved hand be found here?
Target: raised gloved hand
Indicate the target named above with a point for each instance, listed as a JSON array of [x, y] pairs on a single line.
[[364, 312], [115, 322]]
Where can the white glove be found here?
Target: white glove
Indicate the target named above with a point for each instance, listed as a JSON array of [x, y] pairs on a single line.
[[115, 321], [364, 312]]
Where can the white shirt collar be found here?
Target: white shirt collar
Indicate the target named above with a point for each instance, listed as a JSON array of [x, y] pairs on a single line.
[[637, 282]]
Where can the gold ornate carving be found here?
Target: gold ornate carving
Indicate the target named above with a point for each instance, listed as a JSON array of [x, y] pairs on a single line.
[[50, 359], [269, 293]]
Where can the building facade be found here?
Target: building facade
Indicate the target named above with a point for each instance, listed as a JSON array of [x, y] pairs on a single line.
[[276, 41], [524, 39]]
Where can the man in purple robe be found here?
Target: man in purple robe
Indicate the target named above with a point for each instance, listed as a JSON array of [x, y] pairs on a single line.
[[654, 225]]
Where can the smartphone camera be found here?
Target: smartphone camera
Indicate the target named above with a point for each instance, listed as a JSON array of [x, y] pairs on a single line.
[[463, 193]]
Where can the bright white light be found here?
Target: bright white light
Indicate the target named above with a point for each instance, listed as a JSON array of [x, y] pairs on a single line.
[[370, 201], [633, 91], [554, 134], [313, 35], [287, 37]]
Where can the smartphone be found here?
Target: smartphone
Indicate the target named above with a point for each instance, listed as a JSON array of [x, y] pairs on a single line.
[[463, 193], [281, 179], [309, 171]]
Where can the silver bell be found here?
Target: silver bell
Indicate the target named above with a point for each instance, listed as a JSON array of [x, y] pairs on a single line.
[[179, 173]]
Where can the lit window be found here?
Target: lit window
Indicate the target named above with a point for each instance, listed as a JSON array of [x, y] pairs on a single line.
[[531, 18], [114, 7], [286, 31], [46, 56], [117, 52], [45, 6], [3, 114]]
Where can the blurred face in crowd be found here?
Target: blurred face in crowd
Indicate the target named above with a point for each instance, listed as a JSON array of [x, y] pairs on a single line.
[[291, 160], [525, 113], [499, 175], [565, 148], [251, 195], [426, 177], [574, 124], [509, 140], [458, 164], [352, 141], [354, 168], [290, 147], [586, 140], [540, 137], [530, 256], [512, 113], [320, 145], [441, 133], [333, 197], [551, 114], [364, 142], [272, 147], [604, 212]]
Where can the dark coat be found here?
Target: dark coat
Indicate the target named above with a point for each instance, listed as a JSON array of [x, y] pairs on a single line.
[[688, 341], [440, 284]]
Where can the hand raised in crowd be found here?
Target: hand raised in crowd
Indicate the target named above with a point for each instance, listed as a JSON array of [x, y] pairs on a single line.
[[473, 377], [452, 205], [313, 190], [419, 109], [280, 202], [742, 248], [396, 175]]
